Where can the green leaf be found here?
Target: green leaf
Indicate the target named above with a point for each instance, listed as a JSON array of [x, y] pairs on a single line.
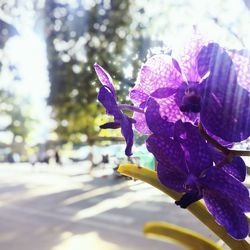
[[197, 208], [179, 235]]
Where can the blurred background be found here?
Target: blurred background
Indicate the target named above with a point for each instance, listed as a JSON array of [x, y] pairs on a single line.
[[58, 185]]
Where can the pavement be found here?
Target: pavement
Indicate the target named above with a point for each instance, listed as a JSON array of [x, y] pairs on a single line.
[[65, 208]]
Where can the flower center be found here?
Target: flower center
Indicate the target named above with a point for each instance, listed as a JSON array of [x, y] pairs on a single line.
[[193, 193], [191, 101], [188, 198], [190, 183]]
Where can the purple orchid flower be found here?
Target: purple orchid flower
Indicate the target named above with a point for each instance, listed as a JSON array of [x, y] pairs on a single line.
[[185, 163], [173, 83], [160, 80], [204, 83], [107, 98]]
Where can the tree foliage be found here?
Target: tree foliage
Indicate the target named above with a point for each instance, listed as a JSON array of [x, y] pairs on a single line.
[[77, 37], [17, 111]]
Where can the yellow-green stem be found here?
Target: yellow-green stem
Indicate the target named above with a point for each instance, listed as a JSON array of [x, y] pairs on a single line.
[[182, 236], [197, 208]]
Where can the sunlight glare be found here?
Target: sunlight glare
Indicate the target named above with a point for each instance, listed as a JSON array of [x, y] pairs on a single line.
[[28, 53]]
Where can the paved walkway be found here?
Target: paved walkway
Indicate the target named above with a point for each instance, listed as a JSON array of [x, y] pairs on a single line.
[[53, 208]]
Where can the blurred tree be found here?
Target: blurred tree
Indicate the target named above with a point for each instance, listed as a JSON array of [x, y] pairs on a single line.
[[116, 34], [17, 112], [77, 37], [6, 31], [12, 109]]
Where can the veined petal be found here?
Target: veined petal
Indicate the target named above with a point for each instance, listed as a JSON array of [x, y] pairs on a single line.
[[127, 132], [196, 150], [225, 109], [176, 65], [167, 152], [157, 124], [170, 109], [158, 72], [141, 124], [107, 99], [186, 57], [138, 96], [236, 167], [218, 139], [214, 59], [163, 92], [227, 214], [104, 77], [171, 176], [208, 57], [242, 67], [217, 181]]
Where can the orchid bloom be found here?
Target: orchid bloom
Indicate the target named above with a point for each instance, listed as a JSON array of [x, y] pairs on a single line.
[[173, 82], [107, 97], [186, 164], [205, 83]]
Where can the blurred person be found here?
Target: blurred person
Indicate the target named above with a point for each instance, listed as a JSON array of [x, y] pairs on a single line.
[[105, 159], [33, 159], [90, 158], [10, 158], [58, 158]]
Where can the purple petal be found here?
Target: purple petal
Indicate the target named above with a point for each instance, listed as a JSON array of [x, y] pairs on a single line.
[[141, 125], [112, 125], [158, 72], [225, 111], [163, 92], [171, 177], [186, 57], [104, 77], [227, 214], [219, 140], [157, 124], [138, 96], [195, 147], [236, 168], [168, 153], [170, 110], [176, 65], [107, 99], [127, 132], [225, 108], [159, 77], [217, 181], [214, 59], [207, 58], [143, 105], [242, 67]]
